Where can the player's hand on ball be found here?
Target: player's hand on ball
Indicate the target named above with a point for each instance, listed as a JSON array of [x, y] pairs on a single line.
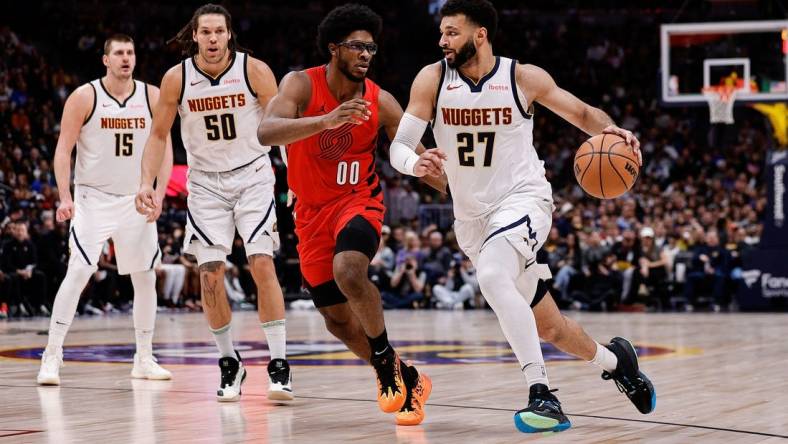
[[65, 210], [629, 137], [430, 162], [145, 200], [355, 111]]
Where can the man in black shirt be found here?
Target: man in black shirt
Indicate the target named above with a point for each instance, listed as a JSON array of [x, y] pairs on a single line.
[[709, 270], [438, 258], [52, 249], [20, 259]]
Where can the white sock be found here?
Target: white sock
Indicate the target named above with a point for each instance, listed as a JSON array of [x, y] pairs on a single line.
[[604, 358], [224, 341], [144, 342], [498, 267], [180, 279], [65, 306], [144, 284], [276, 334]]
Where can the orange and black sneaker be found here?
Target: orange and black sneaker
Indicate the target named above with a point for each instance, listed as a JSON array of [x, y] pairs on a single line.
[[412, 413], [391, 387]]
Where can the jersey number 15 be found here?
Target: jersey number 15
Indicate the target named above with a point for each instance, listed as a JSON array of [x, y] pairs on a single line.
[[124, 143]]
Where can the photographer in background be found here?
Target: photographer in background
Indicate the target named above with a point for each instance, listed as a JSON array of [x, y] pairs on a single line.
[[20, 261], [407, 284], [458, 286]]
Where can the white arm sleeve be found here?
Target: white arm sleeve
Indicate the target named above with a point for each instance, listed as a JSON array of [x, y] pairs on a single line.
[[402, 153]]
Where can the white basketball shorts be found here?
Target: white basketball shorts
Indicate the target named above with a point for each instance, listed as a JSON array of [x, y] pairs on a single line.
[[99, 216], [218, 203], [524, 220]]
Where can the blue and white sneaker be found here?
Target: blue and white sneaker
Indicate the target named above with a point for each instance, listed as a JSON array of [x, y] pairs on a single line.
[[543, 413]]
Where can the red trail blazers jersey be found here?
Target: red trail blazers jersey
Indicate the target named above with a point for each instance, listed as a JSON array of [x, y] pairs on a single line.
[[336, 162]]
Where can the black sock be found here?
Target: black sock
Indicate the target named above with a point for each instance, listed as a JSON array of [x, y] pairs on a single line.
[[379, 345], [409, 374]]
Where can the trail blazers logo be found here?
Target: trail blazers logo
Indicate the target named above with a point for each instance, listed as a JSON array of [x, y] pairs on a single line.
[[334, 143]]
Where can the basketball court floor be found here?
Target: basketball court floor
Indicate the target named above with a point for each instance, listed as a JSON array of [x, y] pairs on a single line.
[[719, 378]]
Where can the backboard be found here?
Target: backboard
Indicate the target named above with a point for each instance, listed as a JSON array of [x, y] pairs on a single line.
[[747, 55]]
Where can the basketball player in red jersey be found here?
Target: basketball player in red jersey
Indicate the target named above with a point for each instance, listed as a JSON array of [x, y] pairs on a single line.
[[329, 117]]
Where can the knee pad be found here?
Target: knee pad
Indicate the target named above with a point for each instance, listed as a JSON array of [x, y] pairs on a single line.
[[325, 294], [358, 235]]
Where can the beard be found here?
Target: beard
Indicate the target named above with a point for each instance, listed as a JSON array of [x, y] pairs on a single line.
[[464, 54], [344, 68]]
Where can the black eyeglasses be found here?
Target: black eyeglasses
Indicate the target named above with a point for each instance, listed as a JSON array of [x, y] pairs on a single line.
[[372, 48]]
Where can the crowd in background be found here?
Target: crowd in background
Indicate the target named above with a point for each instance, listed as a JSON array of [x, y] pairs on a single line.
[[676, 240]]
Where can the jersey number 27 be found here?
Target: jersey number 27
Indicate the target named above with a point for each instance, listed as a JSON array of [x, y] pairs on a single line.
[[465, 148]]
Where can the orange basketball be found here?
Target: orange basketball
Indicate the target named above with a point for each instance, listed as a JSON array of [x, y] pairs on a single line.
[[605, 166]]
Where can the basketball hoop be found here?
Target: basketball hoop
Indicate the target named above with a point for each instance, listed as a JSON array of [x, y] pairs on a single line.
[[720, 100]]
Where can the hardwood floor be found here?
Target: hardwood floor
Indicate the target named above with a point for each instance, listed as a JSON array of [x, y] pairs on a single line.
[[719, 378]]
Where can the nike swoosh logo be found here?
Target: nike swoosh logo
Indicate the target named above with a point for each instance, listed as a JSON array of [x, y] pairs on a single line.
[[258, 169], [451, 87], [105, 105], [60, 323], [384, 351], [199, 81]]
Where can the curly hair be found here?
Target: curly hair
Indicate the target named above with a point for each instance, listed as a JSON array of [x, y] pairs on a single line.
[[184, 36], [342, 21], [480, 12]]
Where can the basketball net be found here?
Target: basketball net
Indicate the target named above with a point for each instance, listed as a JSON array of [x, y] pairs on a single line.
[[720, 100]]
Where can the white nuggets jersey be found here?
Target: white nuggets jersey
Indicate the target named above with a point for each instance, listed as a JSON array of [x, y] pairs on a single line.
[[487, 135], [111, 142], [219, 117]]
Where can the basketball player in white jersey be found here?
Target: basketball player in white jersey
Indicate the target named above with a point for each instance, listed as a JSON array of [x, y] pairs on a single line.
[[109, 119], [220, 94], [481, 110]]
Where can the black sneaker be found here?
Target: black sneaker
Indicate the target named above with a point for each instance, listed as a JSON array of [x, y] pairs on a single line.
[[233, 375], [391, 385], [628, 377], [543, 413], [280, 380]]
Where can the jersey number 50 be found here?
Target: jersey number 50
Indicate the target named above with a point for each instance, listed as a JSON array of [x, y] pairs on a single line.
[[465, 148], [224, 131]]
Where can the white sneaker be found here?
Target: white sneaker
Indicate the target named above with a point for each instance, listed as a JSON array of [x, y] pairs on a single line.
[[280, 380], [49, 374], [233, 375], [146, 367], [93, 310]]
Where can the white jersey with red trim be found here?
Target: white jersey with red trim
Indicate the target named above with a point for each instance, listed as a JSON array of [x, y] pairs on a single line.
[[219, 117], [487, 134], [112, 139]]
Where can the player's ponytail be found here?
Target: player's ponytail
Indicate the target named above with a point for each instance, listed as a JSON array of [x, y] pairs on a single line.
[[184, 37]]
